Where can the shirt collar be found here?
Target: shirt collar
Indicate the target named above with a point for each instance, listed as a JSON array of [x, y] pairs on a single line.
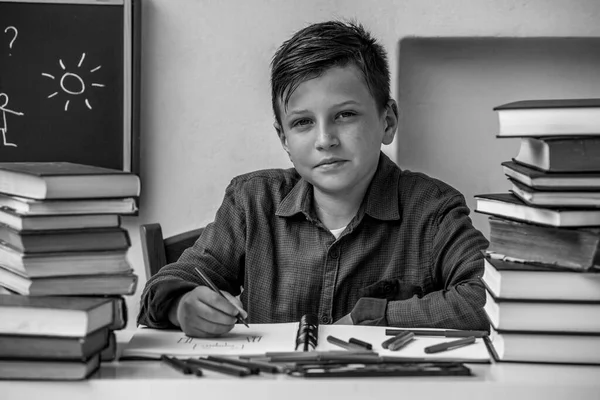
[[380, 202]]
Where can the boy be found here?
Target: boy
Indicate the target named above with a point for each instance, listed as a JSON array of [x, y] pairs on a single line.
[[345, 234]]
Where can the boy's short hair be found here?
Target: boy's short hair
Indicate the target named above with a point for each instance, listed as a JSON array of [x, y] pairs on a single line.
[[318, 47]]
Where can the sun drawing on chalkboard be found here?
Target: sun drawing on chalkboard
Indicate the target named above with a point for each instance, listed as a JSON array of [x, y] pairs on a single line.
[[72, 84]]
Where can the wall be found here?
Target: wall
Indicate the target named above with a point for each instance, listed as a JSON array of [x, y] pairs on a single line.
[[206, 113]]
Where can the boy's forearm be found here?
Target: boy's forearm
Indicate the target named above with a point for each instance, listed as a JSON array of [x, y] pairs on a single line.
[[460, 307]]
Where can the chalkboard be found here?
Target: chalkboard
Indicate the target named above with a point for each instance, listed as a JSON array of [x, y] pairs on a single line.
[[69, 82]]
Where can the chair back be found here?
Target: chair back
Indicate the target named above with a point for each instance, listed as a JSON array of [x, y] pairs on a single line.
[[158, 251]]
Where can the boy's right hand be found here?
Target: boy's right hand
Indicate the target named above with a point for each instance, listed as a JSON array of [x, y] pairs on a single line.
[[203, 313]]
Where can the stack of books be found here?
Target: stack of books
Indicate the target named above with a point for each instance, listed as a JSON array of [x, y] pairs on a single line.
[[63, 252], [542, 268]]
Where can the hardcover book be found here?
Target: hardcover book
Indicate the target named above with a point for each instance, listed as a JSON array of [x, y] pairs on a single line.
[[70, 285], [551, 181], [522, 281], [66, 370], [41, 347], [36, 265], [65, 240], [577, 249], [54, 315], [509, 206], [27, 222], [24, 206], [561, 154], [64, 180], [543, 315], [517, 346], [549, 117], [553, 198]]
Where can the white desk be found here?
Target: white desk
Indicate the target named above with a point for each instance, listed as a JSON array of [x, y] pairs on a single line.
[[146, 380]]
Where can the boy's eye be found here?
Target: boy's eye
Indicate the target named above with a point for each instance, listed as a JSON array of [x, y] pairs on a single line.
[[301, 122], [346, 114]]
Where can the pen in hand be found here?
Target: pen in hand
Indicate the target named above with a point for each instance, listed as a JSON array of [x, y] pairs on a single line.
[[206, 280]]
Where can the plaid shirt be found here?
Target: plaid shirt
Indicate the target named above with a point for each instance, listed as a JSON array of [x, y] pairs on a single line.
[[410, 255]]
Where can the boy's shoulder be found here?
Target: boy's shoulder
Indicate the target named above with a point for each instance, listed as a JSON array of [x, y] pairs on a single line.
[[419, 187], [275, 178]]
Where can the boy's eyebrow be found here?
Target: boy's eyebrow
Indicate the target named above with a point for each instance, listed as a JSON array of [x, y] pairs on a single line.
[[342, 104]]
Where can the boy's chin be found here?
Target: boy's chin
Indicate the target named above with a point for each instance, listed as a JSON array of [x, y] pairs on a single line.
[[333, 186]]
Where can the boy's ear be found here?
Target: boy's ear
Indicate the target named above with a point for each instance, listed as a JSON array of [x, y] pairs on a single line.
[[391, 121], [281, 135]]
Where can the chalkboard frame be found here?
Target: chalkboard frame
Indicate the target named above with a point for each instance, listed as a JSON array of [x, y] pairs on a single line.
[[131, 30]]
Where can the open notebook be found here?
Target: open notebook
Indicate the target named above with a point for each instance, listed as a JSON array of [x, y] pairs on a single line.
[[263, 338]]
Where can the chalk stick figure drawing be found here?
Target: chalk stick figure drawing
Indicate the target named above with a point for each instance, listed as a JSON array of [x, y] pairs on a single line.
[[4, 126], [72, 84]]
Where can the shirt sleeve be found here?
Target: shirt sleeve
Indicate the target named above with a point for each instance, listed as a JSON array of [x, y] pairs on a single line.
[[218, 252], [457, 264]]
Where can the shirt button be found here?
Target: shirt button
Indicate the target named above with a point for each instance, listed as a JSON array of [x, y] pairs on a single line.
[[325, 319], [387, 288], [334, 255]]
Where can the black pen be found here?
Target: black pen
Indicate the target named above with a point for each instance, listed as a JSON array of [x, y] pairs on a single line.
[[206, 280], [436, 348], [360, 343], [224, 368], [343, 344], [180, 365], [445, 333]]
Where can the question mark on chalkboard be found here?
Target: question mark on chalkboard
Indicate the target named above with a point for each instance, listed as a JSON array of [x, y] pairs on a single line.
[[13, 39]]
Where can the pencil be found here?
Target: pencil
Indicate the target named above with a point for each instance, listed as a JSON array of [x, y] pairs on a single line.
[[445, 333], [221, 367], [206, 280], [180, 365]]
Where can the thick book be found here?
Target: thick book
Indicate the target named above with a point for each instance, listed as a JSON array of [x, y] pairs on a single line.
[[561, 154], [551, 181], [553, 198], [549, 117], [278, 340], [543, 315], [26, 222], [44, 347], [507, 205], [35, 265], [54, 315], [522, 281], [65, 240], [64, 180], [555, 348], [24, 206], [70, 285], [577, 249], [63, 370]]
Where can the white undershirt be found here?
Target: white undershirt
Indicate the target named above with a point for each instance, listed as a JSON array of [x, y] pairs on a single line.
[[337, 232]]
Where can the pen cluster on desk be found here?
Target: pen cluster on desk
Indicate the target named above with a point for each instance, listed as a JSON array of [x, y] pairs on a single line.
[[224, 365], [357, 358]]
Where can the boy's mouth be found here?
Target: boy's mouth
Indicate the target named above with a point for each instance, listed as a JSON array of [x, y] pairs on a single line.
[[330, 162]]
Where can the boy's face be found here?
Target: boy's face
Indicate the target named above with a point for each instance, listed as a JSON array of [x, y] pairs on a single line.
[[333, 131]]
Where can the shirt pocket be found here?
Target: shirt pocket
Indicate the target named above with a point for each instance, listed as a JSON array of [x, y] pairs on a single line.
[[391, 289]]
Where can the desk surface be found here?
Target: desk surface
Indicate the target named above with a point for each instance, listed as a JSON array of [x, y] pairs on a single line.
[[145, 380]]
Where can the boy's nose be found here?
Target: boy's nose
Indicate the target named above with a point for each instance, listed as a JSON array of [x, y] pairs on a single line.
[[326, 137]]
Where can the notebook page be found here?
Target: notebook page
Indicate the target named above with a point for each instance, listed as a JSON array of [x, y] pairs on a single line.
[[258, 339]]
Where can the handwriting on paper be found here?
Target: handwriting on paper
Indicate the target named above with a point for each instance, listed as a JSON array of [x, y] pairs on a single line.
[[202, 344]]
